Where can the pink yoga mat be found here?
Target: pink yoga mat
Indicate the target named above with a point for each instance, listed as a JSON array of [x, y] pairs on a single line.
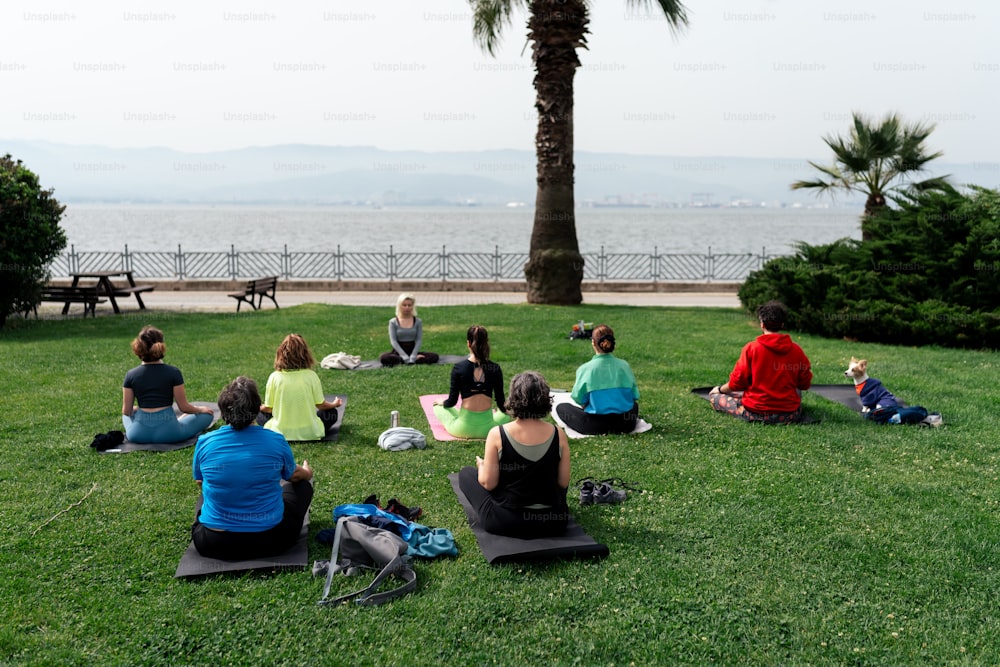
[[437, 428]]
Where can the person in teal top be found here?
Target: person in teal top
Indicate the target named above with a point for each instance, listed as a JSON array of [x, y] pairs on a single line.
[[605, 390], [294, 404]]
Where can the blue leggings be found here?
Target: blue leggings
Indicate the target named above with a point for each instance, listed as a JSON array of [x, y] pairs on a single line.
[[164, 427], [468, 424]]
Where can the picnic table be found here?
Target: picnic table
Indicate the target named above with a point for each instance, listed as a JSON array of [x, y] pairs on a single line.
[[105, 287]]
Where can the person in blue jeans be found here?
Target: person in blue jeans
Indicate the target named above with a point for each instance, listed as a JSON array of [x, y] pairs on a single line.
[[149, 392]]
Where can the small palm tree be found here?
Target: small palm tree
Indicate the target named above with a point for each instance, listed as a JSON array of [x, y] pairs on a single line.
[[878, 160], [556, 29]]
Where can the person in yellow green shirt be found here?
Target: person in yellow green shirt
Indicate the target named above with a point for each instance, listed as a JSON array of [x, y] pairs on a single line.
[[294, 403]]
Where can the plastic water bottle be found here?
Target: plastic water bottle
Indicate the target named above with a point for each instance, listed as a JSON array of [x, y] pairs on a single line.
[[394, 419]]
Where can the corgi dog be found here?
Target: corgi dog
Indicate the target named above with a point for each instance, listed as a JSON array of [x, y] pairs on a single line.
[[872, 393]]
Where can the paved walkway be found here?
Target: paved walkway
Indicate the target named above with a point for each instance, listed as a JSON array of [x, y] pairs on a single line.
[[217, 301]]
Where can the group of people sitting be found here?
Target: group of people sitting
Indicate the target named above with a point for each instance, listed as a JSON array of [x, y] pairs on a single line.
[[254, 495]]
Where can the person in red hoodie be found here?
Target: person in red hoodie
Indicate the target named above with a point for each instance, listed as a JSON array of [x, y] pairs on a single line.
[[767, 382]]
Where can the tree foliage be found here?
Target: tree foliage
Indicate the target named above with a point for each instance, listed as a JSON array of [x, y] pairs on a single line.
[[878, 159], [30, 236], [929, 275]]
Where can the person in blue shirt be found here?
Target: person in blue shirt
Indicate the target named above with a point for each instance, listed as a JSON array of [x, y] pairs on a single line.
[[254, 496], [605, 390]]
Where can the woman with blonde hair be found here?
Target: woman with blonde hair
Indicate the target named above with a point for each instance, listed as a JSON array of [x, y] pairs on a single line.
[[477, 380], [155, 386], [294, 403], [406, 334]]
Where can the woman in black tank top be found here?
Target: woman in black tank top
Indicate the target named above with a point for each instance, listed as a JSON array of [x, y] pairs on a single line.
[[518, 486]]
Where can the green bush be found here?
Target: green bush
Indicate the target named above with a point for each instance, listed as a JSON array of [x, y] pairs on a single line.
[[30, 236], [929, 275]]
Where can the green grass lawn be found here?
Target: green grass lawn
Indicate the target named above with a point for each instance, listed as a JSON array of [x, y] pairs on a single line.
[[837, 543]]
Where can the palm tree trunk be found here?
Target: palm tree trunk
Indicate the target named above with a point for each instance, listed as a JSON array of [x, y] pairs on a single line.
[[874, 204], [554, 271]]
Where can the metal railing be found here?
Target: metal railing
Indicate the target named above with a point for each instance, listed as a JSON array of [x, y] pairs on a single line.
[[444, 266]]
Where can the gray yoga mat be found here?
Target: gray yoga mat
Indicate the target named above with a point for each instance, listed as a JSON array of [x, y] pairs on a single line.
[[702, 392], [193, 564], [443, 360], [845, 394], [498, 549], [334, 433]]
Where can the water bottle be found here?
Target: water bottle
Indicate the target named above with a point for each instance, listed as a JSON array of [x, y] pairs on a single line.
[[394, 419]]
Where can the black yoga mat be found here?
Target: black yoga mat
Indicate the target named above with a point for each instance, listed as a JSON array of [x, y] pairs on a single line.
[[497, 549]]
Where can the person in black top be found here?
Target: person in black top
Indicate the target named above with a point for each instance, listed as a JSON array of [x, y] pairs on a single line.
[[477, 380], [154, 387], [518, 487]]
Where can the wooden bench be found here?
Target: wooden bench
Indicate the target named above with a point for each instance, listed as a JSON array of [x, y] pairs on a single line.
[[255, 291], [133, 290], [89, 296]]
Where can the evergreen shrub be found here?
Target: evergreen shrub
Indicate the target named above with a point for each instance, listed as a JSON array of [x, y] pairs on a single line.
[[929, 275]]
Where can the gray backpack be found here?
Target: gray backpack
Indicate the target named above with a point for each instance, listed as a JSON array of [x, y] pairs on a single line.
[[359, 547]]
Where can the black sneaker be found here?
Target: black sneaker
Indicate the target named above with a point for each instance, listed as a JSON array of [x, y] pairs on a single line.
[[399, 509], [587, 487]]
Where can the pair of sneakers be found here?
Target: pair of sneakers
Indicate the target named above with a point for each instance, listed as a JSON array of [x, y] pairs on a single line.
[[396, 507], [603, 492]]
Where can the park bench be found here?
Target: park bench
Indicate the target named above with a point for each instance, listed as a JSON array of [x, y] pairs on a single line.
[[129, 290], [105, 287], [255, 291], [88, 295]]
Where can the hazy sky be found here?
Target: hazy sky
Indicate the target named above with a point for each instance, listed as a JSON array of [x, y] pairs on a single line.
[[756, 78]]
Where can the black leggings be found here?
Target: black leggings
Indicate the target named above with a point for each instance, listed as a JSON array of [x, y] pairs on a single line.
[[231, 545], [590, 424], [393, 358], [328, 417], [500, 520]]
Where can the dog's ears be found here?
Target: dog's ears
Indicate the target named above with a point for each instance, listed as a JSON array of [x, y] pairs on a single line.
[[863, 364]]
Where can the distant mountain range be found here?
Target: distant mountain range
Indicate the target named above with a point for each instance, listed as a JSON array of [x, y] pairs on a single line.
[[306, 174]]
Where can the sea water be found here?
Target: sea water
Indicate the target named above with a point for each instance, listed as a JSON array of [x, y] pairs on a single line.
[[148, 228]]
